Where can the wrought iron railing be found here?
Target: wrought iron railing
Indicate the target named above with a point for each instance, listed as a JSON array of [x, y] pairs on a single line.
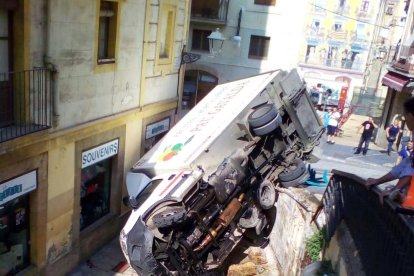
[[210, 11], [25, 102], [384, 238]]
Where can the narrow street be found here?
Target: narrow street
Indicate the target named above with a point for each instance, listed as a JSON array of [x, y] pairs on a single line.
[[339, 156]]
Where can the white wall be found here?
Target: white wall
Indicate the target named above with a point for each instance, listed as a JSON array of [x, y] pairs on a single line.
[[284, 23]]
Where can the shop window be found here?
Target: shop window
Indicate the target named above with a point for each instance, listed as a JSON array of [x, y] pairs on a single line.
[[107, 31], [265, 2], [259, 47], [200, 41], [14, 236], [95, 192]]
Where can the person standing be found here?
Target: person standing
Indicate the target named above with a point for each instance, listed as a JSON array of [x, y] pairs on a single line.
[[403, 171], [392, 132], [405, 152], [334, 117], [366, 135]]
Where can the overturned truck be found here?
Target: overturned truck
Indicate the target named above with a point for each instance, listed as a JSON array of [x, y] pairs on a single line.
[[211, 180]]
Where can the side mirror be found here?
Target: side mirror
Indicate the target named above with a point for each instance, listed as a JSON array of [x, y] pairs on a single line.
[[130, 202]]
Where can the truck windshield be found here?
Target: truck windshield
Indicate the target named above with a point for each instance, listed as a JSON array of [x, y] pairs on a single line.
[[146, 192]]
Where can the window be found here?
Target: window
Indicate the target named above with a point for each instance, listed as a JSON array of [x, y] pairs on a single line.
[[265, 2], [364, 6], [390, 9], [200, 41], [337, 27], [14, 235], [259, 47], [166, 35], [95, 192], [315, 27], [166, 30], [107, 31]]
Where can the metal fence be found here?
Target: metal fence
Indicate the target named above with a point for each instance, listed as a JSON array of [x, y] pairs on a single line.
[[384, 238], [25, 102]]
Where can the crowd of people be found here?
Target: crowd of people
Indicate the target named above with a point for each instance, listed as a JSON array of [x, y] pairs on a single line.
[[403, 191]]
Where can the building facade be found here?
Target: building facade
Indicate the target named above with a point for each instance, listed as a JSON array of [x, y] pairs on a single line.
[[86, 87], [337, 44], [256, 40], [399, 79]]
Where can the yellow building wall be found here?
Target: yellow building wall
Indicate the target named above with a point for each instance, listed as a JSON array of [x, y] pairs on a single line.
[[329, 16], [60, 200]]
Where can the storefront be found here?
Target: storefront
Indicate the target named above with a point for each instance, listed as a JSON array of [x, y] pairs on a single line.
[[96, 182], [154, 129], [400, 89], [14, 222]]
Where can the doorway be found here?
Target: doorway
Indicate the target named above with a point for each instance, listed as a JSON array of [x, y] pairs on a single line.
[[197, 84]]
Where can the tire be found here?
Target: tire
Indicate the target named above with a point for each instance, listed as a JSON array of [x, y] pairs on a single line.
[[295, 182], [262, 115], [267, 128], [270, 218], [294, 171], [266, 195], [169, 217]]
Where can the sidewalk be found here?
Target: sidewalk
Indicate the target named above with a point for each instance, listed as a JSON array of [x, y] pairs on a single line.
[[107, 261], [344, 148]]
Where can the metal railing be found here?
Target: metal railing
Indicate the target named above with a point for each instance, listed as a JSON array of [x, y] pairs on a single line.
[[210, 11], [340, 63], [384, 238], [25, 102]]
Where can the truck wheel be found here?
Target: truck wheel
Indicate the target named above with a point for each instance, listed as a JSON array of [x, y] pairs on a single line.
[[262, 115], [295, 182], [169, 217], [293, 172], [269, 127], [266, 195]]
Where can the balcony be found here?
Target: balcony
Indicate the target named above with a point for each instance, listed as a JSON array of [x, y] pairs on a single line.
[[210, 11], [25, 103], [314, 60]]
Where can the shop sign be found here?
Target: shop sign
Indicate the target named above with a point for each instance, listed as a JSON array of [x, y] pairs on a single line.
[[157, 128], [18, 186], [99, 153]]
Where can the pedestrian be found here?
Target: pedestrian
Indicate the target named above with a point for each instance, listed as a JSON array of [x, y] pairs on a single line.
[[323, 116], [403, 171], [392, 132], [334, 117], [366, 135], [405, 152]]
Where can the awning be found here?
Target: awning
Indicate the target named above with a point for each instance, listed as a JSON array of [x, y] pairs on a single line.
[[395, 81]]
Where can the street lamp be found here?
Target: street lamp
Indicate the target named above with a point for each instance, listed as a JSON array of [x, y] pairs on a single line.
[[215, 41], [382, 52]]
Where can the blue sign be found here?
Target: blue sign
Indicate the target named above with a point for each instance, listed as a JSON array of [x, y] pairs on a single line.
[[18, 186]]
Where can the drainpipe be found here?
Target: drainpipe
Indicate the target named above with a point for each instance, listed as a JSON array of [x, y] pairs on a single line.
[[48, 62]]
